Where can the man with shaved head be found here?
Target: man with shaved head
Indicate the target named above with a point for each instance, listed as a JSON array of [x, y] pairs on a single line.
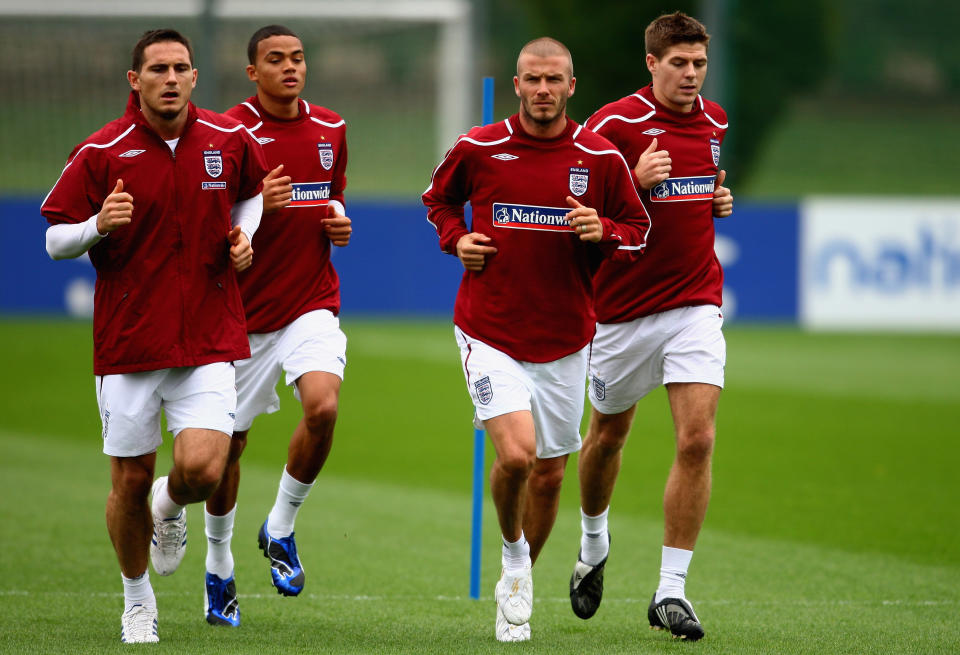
[[550, 200]]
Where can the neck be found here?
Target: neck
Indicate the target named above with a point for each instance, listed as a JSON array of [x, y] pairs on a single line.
[[549, 130], [281, 108], [166, 128]]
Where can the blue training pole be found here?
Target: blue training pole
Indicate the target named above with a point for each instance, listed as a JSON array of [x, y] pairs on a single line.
[[479, 439]]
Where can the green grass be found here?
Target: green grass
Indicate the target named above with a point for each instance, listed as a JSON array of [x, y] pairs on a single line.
[[833, 526]]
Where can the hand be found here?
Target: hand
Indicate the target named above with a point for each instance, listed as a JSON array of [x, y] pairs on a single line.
[[653, 167], [584, 221], [337, 227], [722, 198], [277, 191], [241, 252], [117, 210], [472, 252]]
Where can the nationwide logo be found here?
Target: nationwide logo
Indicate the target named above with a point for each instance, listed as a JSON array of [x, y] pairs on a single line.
[[680, 189], [310, 194], [213, 185], [131, 153], [264, 140], [528, 217], [212, 162], [504, 156], [654, 131], [326, 155]]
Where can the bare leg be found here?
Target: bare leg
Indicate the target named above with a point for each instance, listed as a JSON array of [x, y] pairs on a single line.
[[199, 460], [313, 437], [514, 439], [224, 498], [599, 462], [129, 521], [543, 499], [687, 493]]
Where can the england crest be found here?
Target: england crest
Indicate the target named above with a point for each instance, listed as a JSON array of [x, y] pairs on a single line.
[[213, 162], [484, 390], [579, 180], [599, 388], [326, 155], [715, 151]]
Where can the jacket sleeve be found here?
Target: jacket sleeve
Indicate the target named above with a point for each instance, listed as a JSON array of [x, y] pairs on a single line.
[[78, 194], [445, 198], [253, 167], [626, 223], [338, 182]]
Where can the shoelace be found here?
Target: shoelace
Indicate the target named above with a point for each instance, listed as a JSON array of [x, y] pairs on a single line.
[[170, 534], [140, 622]]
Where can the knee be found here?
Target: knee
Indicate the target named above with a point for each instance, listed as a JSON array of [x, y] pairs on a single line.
[[516, 463], [320, 414], [203, 478], [133, 482], [695, 447], [546, 480]]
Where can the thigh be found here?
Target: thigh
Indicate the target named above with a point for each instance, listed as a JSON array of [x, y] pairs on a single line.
[[557, 402], [200, 397], [129, 406], [496, 382], [696, 350], [257, 378]]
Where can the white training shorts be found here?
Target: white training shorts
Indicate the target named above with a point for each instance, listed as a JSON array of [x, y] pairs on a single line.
[[202, 397], [313, 342], [551, 391], [629, 360]]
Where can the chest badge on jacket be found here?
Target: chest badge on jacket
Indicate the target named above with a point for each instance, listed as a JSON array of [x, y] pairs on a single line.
[[326, 155], [213, 162], [579, 180]]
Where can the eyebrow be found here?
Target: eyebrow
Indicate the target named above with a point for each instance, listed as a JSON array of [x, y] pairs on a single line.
[[282, 53]]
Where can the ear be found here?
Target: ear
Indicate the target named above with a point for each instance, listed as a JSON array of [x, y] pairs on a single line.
[[573, 85], [134, 80], [652, 63], [252, 72], [193, 84], [516, 85]]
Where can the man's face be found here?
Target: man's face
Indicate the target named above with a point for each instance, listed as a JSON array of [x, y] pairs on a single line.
[[543, 85], [279, 70], [166, 79], [678, 75]]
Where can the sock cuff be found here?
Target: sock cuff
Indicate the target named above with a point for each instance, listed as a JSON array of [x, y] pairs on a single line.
[[594, 525], [293, 487], [675, 559], [219, 526]]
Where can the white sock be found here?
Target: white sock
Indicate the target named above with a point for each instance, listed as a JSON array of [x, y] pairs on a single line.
[[516, 554], [594, 542], [163, 505], [290, 497], [137, 591], [219, 530], [674, 563]]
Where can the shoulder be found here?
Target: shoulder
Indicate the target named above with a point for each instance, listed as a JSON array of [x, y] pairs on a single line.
[[110, 135], [219, 122], [245, 113], [324, 116], [633, 108], [714, 113], [595, 144], [481, 136]]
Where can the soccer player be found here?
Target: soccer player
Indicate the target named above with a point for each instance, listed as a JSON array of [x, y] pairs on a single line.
[[659, 318], [166, 200], [550, 200], [292, 299]]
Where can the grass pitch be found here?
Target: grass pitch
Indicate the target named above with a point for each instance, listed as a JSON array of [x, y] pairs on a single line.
[[834, 525]]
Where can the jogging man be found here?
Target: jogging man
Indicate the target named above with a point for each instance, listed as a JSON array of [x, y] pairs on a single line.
[[150, 196], [550, 200], [292, 298], [659, 318]]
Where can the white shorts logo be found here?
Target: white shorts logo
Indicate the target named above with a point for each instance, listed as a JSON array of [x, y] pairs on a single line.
[[484, 390], [599, 388]]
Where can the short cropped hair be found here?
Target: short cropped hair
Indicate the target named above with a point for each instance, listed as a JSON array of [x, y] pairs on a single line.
[[265, 33], [157, 36], [545, 47], [670, 29]]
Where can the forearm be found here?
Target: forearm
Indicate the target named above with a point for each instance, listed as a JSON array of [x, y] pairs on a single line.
[[69, 240], [246, 214]]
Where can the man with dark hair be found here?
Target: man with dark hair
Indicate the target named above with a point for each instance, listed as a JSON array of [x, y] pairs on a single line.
[[659, 318], [292, 299], [166, 200], [550, 200]]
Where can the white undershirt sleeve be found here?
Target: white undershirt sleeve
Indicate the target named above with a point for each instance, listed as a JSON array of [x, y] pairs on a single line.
[[69, 240], [246, 214], [339, 207]]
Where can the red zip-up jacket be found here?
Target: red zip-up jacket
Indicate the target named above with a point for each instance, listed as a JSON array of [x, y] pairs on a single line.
[[166, 293]]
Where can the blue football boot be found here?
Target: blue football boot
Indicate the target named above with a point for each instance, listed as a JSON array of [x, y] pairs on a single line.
[[220, 602], [285, 568]]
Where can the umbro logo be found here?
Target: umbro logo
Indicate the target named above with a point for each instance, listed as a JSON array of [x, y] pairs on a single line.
[[504, 156], [264, 140], [654, 131], [131, 153]]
